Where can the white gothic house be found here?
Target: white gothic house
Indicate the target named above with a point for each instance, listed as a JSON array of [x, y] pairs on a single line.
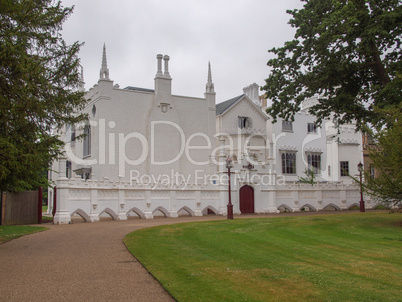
[[148, 152]]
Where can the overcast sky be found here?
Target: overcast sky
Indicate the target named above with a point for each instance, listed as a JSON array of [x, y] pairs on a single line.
[[234, 35]]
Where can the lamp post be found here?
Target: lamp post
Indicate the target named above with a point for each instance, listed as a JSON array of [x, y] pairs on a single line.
[[360, 168], [229, 165]]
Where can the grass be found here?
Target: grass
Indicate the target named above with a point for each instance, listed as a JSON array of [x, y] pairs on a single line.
[[347, 257], [9, 232]]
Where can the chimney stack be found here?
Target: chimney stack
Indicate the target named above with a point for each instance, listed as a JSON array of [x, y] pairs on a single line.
[[163, 81]]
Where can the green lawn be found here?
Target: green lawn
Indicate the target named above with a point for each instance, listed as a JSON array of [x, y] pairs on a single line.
[[347, 257], [9, 232]]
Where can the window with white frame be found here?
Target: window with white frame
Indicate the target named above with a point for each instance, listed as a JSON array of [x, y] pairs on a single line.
[[87, 141], [311, 128], [289, 163], [344, 168], [287, 126], [314, 163], [244, 122]]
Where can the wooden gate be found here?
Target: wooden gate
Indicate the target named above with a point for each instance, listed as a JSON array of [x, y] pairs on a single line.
[[246, 200], [21, 208]]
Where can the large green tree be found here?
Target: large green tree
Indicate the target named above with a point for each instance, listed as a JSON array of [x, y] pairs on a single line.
[[386, 157], [39, 78], [348, 52]]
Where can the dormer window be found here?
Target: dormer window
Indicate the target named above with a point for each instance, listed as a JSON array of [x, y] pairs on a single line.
[[287, 126], [244, 122]]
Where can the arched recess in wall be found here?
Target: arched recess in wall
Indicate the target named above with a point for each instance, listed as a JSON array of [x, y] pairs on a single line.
[[331, 207], [160, 210], [82, 214], [284, 208], [354, 206], [137, 212], [209, 210], [308, 207], [110, 212], [184, 210]]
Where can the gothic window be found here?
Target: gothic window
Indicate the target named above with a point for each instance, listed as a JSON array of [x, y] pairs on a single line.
[[289, 163], [244, 122], [73, 133], [372, 171], [68, 133], [287, 126], [344, 168], [314, 163], [87, 141], [311, 128], [68, 169]]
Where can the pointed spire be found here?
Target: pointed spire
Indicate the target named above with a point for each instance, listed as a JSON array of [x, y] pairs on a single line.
[[104, 71], [82, 83], [210, 85]]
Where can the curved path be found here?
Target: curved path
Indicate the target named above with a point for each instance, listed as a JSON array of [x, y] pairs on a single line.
[[82, 262]]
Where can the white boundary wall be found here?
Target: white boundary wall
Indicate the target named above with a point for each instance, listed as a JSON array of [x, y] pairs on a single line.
[[90, 199]]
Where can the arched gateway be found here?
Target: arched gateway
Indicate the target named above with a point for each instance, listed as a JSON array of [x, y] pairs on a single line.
[[246, 200]]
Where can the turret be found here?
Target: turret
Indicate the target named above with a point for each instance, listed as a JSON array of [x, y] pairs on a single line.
[[105, 85], [81, 85], [104, 71], [210, 97], [210, 85], [210, 94]]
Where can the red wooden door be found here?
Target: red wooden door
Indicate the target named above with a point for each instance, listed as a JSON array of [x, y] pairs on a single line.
[[246, 199]]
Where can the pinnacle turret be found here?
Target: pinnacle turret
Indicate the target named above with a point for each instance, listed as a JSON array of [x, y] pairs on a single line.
[[210, 85], [104, 71], [82, 83]]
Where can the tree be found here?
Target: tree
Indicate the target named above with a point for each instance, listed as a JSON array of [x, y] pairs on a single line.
[[310, 177], [39, 78], [348, 52], [386, 157]]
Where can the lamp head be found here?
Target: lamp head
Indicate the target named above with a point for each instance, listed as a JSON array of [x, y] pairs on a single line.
[[229, 163]]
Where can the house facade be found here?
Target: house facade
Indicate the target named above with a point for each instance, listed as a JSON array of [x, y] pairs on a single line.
[[146, 152]]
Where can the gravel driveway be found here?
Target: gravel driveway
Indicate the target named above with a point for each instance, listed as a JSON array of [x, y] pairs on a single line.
[[82, 262]]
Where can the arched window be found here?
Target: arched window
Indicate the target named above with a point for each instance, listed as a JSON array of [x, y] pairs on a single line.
[[87, 140], [68, 169], [244, 122]]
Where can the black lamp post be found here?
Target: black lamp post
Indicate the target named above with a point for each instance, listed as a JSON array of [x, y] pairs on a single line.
[[360, 168], [229, 165]]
